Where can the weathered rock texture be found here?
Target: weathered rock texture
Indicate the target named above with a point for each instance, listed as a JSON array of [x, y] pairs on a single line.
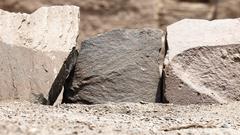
[[98, 15], [118, 66], [23, 118], [103, 15], [203, 62], [64, 73], [33, 48]]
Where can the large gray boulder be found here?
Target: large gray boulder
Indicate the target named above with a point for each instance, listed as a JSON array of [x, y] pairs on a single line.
[[203, 62], [117, 66], [33, 48]]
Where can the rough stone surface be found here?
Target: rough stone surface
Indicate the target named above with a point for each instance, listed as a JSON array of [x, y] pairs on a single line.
[[47, 29], [118, 66], [103, 15], [203, 61], [33, 48], [23, 118], [66, 70], [99, 15]]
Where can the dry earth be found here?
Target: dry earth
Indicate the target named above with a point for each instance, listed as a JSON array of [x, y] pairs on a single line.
[[24, 118]]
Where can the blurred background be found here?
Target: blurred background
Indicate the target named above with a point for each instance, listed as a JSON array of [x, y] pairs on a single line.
[[103, 15]]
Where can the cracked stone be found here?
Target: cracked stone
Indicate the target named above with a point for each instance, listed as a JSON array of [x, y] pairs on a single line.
[[202, 63], [31, 52]]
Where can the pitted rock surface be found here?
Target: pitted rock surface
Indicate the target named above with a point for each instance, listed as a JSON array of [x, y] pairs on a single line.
[[203, 62], [33, 49]]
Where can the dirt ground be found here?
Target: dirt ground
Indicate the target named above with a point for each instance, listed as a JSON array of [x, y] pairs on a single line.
[[24, 118]]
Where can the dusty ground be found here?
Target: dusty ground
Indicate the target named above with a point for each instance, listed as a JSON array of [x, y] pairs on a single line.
[[23, 118]]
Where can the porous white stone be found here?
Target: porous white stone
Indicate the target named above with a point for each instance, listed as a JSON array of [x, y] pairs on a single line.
[[203, 61], [47, 29], [33, 49]]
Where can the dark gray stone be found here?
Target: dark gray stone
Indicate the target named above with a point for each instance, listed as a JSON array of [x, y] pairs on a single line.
[[117, 66], [62, 76]]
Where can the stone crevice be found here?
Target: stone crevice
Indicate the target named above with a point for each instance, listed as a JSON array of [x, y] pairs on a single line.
[[163, 53]]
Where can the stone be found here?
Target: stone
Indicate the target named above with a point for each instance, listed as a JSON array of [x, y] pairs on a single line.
[[33, 49], [64, 73], [117, 66], [104, 15], [202, 65], [98, 15]]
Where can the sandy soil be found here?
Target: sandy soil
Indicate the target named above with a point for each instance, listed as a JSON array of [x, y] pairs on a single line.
[[24, 118]]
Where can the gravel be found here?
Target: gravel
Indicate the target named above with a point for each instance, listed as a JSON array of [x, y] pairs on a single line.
[[24, 118]]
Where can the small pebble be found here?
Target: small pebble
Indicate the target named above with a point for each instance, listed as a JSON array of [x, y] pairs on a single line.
[[226, 125]]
